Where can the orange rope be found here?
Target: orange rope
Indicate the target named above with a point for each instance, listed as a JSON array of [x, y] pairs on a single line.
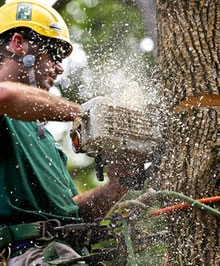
[[182, 206]]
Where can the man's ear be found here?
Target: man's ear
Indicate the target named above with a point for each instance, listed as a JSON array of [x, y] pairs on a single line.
[[18, 45]]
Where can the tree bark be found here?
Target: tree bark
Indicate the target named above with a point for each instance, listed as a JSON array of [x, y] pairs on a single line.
[[188, 65]]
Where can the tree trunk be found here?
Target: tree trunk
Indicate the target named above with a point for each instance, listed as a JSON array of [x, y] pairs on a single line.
[[188, 64]]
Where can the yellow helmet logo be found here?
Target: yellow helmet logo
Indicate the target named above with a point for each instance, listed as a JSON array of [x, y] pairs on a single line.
[[36, 15], [24, 11]]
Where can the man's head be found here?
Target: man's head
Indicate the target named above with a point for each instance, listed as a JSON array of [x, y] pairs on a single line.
[[31, 28]]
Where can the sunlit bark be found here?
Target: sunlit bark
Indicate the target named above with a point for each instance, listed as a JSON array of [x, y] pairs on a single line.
[[188, 62]]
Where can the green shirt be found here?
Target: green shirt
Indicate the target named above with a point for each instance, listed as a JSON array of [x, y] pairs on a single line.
[[34, 182]]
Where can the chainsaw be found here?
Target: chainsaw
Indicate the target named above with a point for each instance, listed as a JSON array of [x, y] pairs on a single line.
[[106, 130]]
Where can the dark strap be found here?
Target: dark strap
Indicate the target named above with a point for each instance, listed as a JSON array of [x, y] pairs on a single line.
[[21, 244], [99, 167], [28, 61], [13, 233], [11, 55]]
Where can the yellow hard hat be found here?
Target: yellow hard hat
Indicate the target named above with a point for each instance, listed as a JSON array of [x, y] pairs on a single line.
[[33, 14]]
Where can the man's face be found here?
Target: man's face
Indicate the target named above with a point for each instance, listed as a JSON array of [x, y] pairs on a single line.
[[46, 71], [47, 67], [48, 57]]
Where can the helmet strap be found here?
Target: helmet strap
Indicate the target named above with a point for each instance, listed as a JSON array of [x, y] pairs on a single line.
[[28, 60], [11, 55]]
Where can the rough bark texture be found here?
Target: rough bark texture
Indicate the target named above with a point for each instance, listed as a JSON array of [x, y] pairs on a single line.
[[188, 61]]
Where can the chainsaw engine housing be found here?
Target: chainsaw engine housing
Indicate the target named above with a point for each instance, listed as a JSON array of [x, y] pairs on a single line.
[[107, 129]]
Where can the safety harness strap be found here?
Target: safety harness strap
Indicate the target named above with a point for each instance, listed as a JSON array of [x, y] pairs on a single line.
[[13, 233]]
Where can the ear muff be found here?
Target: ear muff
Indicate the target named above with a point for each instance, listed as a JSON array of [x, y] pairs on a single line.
[[29, 61]]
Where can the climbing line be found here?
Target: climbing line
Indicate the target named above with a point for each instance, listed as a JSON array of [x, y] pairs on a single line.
[[151, 196], [188, 202], [183, 205]]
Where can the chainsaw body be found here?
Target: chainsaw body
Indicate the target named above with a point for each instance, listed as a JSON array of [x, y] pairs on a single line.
[[106, 129]]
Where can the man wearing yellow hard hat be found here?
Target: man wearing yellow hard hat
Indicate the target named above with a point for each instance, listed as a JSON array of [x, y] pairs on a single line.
[[36, 192]]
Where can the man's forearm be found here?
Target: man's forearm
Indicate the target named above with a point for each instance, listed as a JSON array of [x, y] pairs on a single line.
[[99, 201], [27, 103]]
